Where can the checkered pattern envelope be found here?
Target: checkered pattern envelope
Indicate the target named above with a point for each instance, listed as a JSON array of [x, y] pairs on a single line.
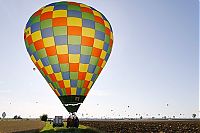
[[70, 44]]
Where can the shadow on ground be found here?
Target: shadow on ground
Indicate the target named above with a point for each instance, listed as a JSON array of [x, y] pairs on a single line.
[[72, 130], [29, 131]]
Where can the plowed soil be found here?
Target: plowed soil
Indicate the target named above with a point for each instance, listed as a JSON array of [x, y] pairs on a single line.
[[145, 126]]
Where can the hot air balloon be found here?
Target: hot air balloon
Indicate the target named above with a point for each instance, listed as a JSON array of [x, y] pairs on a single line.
[[69, 43]]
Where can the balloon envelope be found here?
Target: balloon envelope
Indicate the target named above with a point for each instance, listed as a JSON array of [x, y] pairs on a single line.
[[70, 44]]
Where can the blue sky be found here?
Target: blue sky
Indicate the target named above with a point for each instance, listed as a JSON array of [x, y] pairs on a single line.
[[154, 62]]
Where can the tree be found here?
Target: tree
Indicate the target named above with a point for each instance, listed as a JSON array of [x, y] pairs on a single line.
[[19, 117], [4, 114], [44, 117], [194, 115], [15, 117]]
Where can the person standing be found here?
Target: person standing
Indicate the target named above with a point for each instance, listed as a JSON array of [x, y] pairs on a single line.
[[69, 122], [76, 122]]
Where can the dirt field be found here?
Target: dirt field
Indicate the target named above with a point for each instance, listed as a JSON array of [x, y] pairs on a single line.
[[30, 126], [153, 126], [110, 126]]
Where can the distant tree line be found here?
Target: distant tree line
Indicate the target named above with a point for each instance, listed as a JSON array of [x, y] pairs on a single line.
[[17, 117]]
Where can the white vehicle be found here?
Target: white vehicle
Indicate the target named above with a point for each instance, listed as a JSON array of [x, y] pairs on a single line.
[[58, 121]]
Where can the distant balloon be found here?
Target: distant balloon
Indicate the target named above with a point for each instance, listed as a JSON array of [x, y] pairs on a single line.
[[70, 44], [33, 69]]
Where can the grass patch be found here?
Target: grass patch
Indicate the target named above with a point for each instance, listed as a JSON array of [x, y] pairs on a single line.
[[81, 129]]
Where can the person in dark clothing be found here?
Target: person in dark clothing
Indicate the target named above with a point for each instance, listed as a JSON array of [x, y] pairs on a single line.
[[69, 122], [76, 122], [73, 121]]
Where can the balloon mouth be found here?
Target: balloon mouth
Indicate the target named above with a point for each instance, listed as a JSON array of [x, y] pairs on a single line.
[[72, 108], [72, 103]]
